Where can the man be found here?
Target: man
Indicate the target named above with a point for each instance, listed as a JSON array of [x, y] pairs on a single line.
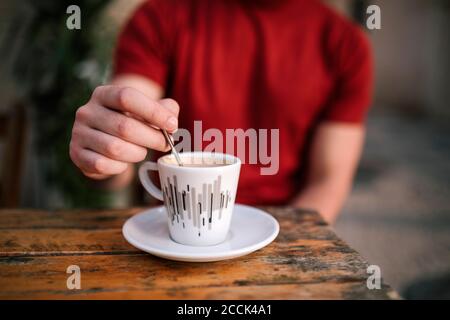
[[294, 65]]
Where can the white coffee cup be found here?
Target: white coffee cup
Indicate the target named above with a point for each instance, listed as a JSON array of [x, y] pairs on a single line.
[[199, 199]]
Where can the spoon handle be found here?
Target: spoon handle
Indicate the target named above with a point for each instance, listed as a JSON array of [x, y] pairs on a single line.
[[172, 147]]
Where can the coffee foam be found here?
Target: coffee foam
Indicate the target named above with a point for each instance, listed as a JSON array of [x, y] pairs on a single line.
[[198, 161]]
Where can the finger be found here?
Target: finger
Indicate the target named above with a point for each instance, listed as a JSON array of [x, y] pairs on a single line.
[[96, 176], [131, 100], [108, 145], [91, 162], [127, 128], [171, 105]]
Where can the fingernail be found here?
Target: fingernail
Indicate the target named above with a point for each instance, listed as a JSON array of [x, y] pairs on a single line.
[[172, 123]]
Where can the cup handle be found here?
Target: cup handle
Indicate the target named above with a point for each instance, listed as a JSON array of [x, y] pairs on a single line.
[[145, 180]]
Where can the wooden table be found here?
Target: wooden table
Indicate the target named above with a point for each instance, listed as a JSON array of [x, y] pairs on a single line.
[[306, 261]]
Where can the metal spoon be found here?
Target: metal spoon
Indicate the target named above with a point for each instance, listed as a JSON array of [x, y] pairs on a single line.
[[172, 147]]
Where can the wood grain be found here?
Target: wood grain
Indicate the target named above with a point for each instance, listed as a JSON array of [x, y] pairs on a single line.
[[306, 261]]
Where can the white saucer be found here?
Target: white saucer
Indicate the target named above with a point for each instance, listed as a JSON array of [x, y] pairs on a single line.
[[250, 230]]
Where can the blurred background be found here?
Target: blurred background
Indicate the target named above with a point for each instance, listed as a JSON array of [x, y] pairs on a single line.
[[398, 215]]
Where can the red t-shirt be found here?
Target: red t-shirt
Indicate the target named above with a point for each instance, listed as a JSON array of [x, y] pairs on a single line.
[[253, 64]]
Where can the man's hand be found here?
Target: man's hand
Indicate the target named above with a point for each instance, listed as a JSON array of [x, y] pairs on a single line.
[[115, 128]]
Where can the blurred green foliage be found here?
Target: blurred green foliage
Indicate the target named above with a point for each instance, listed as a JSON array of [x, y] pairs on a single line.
[[56, 70]]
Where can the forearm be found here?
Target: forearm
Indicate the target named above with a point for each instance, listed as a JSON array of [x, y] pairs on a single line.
[[326, 196], [333, 160]]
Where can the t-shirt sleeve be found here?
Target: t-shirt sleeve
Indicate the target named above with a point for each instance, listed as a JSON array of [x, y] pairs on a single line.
[[144, 44], [352, 66]]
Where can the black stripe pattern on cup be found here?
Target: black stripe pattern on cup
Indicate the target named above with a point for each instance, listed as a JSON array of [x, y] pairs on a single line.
[[201, 208]]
